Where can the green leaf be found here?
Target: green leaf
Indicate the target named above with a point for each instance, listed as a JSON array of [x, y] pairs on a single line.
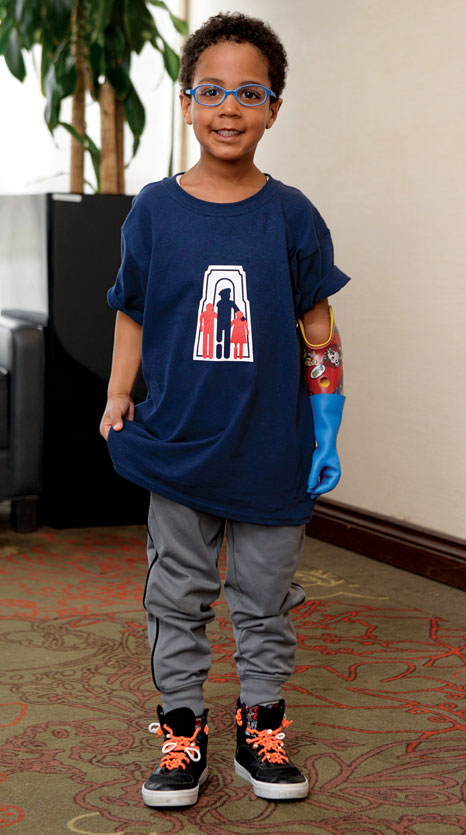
[[48, 52], [170, 60], [117, 60], [57, 16], [52, 91], [14, 57], [30, 23], [99, 15], [7, 9], [6, 27], [97, 65], [74, 133], [59, 82], [95, 158], [66, 75], [135, 116], [118, 76], [89, 146], [118, 13], [180, 25], [115, 43], [139, 24]]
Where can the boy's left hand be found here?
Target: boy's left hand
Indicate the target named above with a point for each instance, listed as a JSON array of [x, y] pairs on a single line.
[[327, 410], [325, 472]]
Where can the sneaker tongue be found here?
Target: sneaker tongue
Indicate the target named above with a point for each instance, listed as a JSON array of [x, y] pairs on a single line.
[[266, 716], [181, 720]]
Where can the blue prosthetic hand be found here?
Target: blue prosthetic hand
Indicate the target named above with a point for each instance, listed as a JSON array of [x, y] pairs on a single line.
[[327, 410]]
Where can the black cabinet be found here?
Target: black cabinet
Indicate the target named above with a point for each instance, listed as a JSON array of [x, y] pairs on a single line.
[[59, 254]]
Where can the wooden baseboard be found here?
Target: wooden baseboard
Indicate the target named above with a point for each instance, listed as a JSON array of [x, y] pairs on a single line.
[[413, 548]]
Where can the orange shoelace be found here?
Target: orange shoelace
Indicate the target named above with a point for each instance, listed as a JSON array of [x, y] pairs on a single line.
[[177, 750], [269, 742]]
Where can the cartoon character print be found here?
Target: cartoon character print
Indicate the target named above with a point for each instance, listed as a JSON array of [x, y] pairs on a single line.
[[310, 357], [223, 330], [226, 310], [333, 356], [207, 325], [239, 334], [323, 368]]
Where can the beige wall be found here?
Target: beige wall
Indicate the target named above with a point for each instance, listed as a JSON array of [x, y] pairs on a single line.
[[373, 129]]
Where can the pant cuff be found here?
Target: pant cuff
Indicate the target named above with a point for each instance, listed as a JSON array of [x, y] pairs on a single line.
[[193, 698], [255, 691]]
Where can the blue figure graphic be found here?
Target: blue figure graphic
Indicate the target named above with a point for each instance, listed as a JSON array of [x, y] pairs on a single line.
[[226, 313]]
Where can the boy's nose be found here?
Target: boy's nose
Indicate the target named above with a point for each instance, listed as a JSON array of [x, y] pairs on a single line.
[[229, 104]]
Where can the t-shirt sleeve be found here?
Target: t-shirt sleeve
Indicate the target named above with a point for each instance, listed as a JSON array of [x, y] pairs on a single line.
[[317, 275], [129, 291]]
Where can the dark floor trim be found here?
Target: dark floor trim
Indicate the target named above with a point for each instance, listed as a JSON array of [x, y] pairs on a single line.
[[413, 548]]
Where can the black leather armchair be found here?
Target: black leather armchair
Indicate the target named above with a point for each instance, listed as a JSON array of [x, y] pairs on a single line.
[[22, 360]]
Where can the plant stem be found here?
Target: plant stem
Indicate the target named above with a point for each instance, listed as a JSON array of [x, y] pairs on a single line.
[[108, 140], [120, 123], [78, 118]]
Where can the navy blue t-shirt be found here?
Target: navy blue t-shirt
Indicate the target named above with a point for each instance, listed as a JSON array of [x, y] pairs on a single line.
[[218, 287]]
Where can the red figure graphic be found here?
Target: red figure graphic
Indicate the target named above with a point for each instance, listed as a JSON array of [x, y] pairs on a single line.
[[207, 324], [239, 334]]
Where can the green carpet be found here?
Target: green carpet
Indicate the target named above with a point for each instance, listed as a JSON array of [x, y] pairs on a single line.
[[377, 698]]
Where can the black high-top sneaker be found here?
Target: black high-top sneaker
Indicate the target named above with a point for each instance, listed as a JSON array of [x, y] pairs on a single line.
[[183, 767], [260, 753]]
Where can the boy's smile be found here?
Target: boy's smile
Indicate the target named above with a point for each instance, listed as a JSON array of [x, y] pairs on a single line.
[[230, 131]]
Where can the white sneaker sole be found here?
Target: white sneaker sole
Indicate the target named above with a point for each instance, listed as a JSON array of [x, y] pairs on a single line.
[[178, 797], [274, 791]]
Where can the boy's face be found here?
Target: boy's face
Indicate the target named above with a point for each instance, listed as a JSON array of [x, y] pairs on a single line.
[[230, 131]]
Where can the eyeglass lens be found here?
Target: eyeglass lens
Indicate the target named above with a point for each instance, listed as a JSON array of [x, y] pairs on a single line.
[[249, 95]]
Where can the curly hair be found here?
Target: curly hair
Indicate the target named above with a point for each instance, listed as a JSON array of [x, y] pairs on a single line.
[[238, 27]]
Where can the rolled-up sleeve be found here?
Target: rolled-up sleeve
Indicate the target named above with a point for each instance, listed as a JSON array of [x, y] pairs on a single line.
[[317, 275], [129, 291]]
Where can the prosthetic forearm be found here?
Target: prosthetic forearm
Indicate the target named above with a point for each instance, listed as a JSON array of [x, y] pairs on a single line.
[[323, 370]]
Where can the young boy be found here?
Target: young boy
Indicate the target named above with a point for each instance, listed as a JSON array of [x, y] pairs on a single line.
[[224, 279]]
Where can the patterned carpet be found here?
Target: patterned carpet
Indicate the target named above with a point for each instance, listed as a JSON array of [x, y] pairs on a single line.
[[377, 701]]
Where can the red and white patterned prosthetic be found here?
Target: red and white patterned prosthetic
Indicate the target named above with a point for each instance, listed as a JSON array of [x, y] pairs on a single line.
[[323, 364]]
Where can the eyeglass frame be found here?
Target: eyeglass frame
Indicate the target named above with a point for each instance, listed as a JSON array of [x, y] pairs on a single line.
[[231, 92]]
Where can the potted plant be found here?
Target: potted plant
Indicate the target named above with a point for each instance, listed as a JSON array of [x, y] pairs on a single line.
[[87, 45], [59, 253]]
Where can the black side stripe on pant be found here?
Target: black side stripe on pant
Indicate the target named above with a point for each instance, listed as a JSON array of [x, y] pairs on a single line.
[[156, 620]]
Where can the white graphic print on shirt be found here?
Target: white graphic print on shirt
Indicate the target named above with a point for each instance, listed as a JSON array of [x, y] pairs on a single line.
[[224, 330]]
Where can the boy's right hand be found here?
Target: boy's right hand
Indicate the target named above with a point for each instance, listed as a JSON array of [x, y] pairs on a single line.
[[118, 409]]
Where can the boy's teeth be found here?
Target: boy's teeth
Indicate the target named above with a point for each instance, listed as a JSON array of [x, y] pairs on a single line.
[[228, 132]]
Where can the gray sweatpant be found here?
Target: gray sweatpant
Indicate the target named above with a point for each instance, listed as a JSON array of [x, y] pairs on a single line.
[[182, 583]]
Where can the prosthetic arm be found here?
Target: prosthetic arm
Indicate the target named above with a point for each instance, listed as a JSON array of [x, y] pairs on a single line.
[[323, 370]]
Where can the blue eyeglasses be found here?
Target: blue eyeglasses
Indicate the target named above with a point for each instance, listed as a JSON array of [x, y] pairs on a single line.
[[249, 95]]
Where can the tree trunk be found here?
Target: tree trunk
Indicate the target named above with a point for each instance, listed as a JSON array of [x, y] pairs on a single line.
[[78, 118], [108, 140], [120, 122]]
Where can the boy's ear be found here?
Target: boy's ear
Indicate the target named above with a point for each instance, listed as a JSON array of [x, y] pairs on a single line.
[[273, 112], [185, 102]]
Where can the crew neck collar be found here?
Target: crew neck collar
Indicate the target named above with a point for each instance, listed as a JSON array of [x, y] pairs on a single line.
[[206, 207]]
